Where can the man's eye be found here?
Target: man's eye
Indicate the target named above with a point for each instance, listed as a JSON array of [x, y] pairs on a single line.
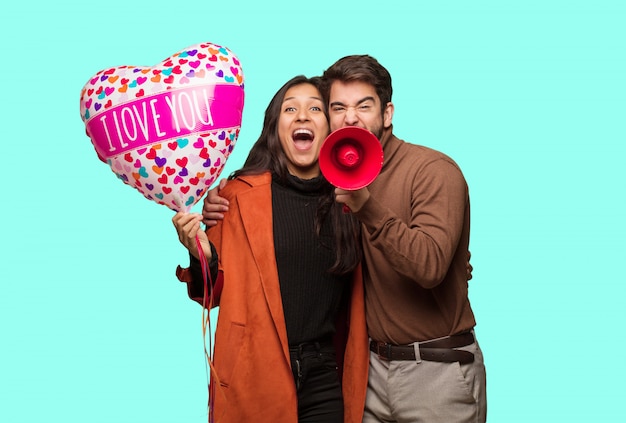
[[338, 109]]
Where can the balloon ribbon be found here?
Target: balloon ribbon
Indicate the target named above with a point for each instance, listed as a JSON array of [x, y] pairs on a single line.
[[207, 305]]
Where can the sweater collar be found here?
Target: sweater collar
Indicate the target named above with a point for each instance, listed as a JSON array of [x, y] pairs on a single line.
[[390, 145], [313, 186]]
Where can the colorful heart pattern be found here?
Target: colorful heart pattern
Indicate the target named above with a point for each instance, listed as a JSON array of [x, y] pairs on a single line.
[[167, 130]]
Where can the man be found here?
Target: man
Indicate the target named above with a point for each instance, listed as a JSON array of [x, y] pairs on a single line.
[[425, 364]]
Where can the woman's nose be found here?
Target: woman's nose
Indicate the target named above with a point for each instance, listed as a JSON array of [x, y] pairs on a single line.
[[303, 115]]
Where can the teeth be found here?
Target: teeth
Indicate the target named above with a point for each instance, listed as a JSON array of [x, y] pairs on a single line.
[[303, 132]]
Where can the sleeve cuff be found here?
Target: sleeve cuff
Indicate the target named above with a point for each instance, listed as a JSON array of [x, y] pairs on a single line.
[[194, 278]]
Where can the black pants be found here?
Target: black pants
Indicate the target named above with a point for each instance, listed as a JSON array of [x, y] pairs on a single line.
[[315, 373]]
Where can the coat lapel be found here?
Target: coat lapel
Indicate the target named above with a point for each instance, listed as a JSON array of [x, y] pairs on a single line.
[[256, 214]]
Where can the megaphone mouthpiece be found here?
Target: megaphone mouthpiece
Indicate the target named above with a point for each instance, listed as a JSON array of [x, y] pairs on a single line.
[[348, 155]]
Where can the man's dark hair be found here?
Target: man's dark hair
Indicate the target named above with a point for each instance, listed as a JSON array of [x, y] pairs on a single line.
[[362, 68]]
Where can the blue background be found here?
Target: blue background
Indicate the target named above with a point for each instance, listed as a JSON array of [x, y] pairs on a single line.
[[528, 97]]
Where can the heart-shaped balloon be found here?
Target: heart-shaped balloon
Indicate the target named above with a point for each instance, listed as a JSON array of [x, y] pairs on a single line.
[[167, 130]]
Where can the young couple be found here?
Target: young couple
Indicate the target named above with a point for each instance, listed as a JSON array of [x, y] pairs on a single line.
[[328, 316]]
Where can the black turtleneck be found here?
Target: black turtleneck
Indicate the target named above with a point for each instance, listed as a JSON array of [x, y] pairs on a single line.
[[311, 295]]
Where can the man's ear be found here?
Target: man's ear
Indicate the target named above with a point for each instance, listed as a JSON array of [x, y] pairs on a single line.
[[388, 115]]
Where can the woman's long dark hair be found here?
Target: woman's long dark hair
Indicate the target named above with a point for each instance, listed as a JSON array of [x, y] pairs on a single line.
[[267, 154]]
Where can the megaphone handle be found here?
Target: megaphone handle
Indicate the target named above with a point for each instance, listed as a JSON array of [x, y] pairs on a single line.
[[346, 209]]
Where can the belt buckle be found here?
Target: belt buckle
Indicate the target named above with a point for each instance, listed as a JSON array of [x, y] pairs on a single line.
[[384, 347]]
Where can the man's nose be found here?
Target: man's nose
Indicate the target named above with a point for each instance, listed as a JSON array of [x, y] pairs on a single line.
[[351, 117]]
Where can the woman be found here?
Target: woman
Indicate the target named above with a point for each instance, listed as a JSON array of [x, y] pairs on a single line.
[[285, 262]]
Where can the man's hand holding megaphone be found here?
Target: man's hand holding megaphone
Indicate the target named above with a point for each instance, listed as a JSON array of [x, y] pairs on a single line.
[[350, 159], [352, 200]]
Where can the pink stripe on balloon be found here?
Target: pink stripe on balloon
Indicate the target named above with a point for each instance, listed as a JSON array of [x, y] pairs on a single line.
[[164, 116]]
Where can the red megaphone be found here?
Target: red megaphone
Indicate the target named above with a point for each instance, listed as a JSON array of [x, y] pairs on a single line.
[[351, 158]]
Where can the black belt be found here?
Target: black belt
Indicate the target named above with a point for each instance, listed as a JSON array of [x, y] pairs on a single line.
[[314, 347], [441, 350]]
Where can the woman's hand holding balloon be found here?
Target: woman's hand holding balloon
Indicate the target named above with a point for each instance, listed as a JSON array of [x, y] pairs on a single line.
[[188, 227]]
